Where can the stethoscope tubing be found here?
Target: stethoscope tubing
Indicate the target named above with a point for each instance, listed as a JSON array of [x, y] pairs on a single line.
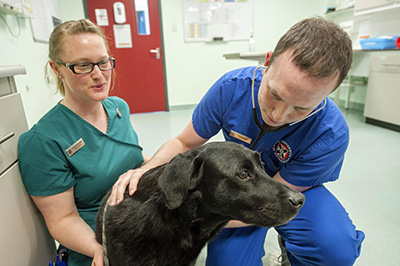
[[264, 129]]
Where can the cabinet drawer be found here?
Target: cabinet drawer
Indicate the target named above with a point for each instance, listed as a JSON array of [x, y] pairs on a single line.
[[25, 239], [12, 125]]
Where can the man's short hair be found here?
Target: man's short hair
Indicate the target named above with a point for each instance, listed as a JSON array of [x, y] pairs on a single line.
[[319, 47]]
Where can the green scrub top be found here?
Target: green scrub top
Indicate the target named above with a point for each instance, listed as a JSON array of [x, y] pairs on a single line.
[[62, 150]]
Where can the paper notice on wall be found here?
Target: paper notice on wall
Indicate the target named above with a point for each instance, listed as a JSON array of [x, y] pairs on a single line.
[[365, 29], [216, 20], [101, 17], [122, 36]]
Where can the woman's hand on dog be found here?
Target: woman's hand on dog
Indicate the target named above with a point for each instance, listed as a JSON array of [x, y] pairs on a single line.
[[187, 140], [131, 179]]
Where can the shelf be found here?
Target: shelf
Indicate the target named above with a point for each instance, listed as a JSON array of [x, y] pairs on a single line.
[[395, 7], [259, 56], [10, 10], [341, 13], [8, 71]]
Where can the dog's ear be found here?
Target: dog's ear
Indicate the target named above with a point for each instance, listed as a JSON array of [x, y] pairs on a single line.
[[179, 176], [257, 157]]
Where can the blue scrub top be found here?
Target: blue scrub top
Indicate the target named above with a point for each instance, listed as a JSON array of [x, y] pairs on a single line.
[[308, 153], [48, 169]]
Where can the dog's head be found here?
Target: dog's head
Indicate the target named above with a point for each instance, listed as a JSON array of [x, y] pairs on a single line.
[[232, 183]]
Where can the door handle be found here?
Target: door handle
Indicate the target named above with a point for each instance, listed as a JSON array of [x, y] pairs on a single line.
[[156, 51]]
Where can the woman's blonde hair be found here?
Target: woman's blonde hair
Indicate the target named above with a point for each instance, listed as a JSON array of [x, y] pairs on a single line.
[[57, 37]]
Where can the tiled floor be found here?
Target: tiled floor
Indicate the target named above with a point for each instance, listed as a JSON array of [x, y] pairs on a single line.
[[368, 187]]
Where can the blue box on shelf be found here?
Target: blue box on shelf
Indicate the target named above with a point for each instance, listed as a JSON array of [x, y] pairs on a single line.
[[379, 43]]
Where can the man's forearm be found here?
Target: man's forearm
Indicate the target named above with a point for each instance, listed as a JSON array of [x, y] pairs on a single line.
[[168, 151]]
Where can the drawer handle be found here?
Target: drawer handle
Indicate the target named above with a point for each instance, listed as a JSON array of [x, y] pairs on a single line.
[[6, 137]]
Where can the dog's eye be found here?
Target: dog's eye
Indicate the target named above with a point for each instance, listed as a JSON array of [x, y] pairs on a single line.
[[243, 174]]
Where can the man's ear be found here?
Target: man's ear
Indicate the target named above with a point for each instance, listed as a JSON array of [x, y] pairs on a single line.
[[267, 60]]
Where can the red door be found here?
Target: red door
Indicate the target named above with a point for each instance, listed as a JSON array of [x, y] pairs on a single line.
[[139, 65]]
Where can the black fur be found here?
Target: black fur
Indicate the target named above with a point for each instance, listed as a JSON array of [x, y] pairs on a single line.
[[182, 205]]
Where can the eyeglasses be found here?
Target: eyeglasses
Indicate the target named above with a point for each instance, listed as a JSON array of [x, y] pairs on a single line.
[[87, 67]]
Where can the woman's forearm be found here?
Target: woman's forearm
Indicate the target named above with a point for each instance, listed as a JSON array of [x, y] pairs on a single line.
[[75, 234]]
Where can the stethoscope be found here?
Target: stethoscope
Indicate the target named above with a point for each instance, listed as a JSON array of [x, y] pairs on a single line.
[[264, 129]]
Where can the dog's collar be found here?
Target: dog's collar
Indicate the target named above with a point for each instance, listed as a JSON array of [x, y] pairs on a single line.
[[103, 236]]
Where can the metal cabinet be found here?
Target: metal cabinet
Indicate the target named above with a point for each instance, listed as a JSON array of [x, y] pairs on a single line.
[[25, 239], [382, 102]]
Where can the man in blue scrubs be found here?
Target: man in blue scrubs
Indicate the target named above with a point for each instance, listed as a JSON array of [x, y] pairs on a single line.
[[309, 62]]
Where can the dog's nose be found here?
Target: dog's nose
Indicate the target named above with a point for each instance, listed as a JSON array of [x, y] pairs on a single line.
[[297, 200]]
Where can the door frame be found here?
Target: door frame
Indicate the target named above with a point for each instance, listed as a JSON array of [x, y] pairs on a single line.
[[163, 56]]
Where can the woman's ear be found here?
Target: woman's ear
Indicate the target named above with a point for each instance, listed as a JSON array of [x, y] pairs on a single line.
[[55, 67]]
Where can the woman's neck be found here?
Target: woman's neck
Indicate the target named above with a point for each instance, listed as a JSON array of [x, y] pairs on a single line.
[[92, 112]]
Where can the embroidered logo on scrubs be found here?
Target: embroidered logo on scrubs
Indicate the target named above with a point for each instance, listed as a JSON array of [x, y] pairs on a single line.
[[282, 151]]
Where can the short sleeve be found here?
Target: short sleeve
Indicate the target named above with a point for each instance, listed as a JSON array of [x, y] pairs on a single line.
[[208, 115], [320, 162], [43, 166]]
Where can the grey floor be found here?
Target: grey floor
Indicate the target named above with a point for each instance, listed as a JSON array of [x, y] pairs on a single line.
[[368, 187]]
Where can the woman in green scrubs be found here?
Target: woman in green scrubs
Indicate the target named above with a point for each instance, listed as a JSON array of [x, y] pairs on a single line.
[[77, 151]]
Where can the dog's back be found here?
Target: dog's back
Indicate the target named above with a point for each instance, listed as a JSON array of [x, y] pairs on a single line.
[[180, 206]]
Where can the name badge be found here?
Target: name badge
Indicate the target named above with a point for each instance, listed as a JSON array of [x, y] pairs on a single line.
[[240, 137], [75, 147]]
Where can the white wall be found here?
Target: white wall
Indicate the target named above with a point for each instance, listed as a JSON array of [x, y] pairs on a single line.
[[191, 68], [22, 50], [37, 97]]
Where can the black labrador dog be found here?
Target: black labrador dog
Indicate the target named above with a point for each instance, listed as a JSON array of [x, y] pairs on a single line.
[[180, 206]]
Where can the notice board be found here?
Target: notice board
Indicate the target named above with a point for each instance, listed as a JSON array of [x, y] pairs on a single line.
[[44, 15], [217, 20]]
